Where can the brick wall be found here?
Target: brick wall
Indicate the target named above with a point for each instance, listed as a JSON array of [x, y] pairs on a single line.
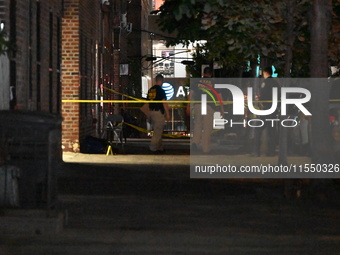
[[80, 35], [90, 15], [32, 91], [55, 58], [4, 9], [70, 75]]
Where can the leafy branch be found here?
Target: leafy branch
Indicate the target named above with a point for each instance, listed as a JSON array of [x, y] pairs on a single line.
[[5, 45]]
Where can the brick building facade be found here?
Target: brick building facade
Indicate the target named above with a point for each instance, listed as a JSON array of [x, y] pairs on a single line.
[[97, 39], [34, 29], [72, 49], [80, 40]]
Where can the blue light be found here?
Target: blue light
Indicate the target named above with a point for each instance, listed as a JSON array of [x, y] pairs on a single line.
[[274, 74]]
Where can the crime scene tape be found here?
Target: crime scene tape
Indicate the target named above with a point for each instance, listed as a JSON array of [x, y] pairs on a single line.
[[156, 101], [149, 101], [164, 134], [125, 101], [149, 131], [171, 106], [116, 92], [137, 100]]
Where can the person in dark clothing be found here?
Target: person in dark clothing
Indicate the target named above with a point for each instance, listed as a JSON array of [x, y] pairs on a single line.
[[157, 111], [266, 94]]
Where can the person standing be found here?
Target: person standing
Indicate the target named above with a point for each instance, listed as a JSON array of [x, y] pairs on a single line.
[[266, 94], [203, 124], [157, 111]]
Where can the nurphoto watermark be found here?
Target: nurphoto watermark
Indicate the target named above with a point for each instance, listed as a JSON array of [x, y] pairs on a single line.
[[237, 126]]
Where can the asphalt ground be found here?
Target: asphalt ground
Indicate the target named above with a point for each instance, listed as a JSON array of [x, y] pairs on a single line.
[[140, 203]]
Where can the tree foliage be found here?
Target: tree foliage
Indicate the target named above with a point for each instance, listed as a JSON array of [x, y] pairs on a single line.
[[4, 43], [238, 31]]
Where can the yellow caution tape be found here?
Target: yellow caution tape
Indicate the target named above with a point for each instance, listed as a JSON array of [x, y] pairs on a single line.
[[126, 101], [158, 101], [146, 101], [149, 131], [138, 102], [116, 92], [136, 107], [188, 102]]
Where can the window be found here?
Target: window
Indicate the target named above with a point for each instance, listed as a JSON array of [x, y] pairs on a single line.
[[13, 81], [38, 56], [30, 76], [13, 65], [59, 65], [50, 92]]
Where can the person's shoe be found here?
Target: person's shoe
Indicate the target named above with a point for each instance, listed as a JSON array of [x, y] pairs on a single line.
[[161, 151], [157, 152], [152, 152]]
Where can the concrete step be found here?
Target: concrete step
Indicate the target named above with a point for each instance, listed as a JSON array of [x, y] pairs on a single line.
[[31, 222]]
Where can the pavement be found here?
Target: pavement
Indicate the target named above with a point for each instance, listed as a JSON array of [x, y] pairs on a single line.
[[177, 152], [139, 203]]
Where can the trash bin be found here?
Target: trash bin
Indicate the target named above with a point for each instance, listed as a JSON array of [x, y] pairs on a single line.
[[31, 141]]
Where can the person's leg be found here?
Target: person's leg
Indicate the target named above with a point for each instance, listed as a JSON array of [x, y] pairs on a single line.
[[196, 139], [257, 141], [207, 129], [271, 140], [157, 121]]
